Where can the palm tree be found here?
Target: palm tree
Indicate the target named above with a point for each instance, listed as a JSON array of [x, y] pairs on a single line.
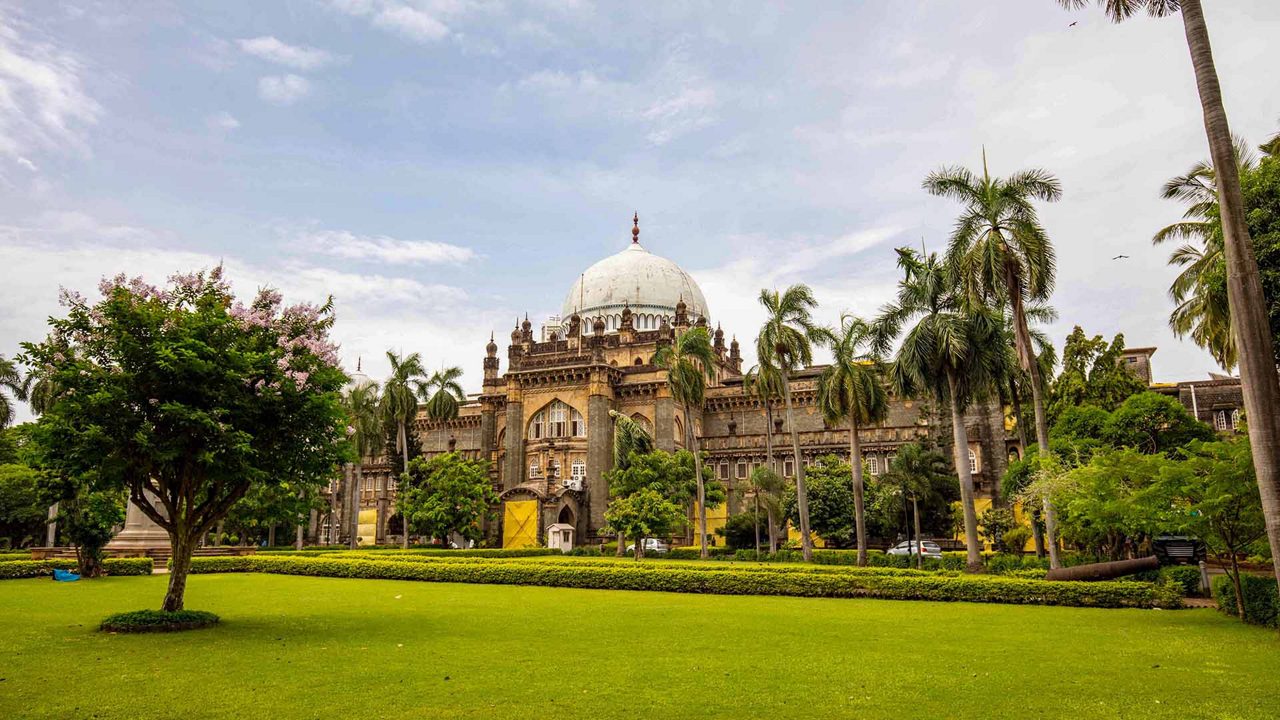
[[690, 364], [850, 390], [764, 382], [442, 393], [1249, 321], [11, 380], [785, 342], [629, 439], [914, 471], [400, 407], [1000, 253], [765, 487], [952, 352], [1201, 308], [364, 420]]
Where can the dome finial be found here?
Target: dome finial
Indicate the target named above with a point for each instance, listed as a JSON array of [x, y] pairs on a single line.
[[635, 229]]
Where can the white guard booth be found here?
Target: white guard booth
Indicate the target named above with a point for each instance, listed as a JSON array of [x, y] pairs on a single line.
[[560, 535]]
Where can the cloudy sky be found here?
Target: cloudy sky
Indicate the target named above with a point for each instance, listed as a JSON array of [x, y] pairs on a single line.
[[441, 166]]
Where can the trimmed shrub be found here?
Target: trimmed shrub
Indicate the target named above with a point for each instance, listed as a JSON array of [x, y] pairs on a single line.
[[13, 556], [692, 553], [1261, 604], [441, 552], [149, 621], [803, 582], [40, 568], [1186, 578]]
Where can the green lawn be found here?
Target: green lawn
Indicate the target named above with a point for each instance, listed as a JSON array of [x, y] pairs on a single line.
[[354, 649]]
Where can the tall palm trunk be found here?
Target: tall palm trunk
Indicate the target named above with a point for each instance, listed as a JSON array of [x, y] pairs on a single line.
[[855, 462], [960, 438], [1027, 358], [1248, 306], [357, 481], [1037, 533], [691, 439], [915, 511], [404, 517], [802, 495], [756, 523], [768, 436]]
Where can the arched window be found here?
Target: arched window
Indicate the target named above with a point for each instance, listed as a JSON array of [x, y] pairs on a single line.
[[537, 426], [578, 470], [973, 462], [1220, 420], [557, 420], [1235, 419], [873, 464], [888, 462], [535, 470]]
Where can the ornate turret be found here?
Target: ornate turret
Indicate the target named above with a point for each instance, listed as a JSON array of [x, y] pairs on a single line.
[[735, 354], [627, 328], [515, 334], [682, 315], [526, 330], [635, 229], [575, 326], [718, 343], [702, 321], [597, 341], [597, 326], [664, 331], [490, 360]]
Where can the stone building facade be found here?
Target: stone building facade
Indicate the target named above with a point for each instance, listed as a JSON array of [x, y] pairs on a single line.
[[543, 422]]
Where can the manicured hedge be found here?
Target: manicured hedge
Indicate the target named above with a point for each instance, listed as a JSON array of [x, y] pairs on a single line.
[[1186, 578], [1261, 601], [40, 568], [154, 621], [12, 556], [726, 581], [440, 552]]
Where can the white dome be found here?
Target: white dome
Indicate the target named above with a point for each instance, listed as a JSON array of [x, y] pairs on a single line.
[[650, 285]]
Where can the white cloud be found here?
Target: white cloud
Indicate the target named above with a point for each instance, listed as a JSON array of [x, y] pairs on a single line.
[[271, 49], [283, 89], [380, 248], [409, 20], [24, 162], [43, 104], [223, 121]]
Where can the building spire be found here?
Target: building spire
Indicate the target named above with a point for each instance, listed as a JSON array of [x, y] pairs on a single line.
[[635, 229], [357, 363]]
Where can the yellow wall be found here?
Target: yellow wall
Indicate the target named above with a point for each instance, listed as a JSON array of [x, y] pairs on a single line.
[[716, 518], [367, 526], [520, 524], [980, 505]]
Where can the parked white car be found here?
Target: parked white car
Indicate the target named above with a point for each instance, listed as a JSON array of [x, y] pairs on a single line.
[[931, 549], [652, 546]]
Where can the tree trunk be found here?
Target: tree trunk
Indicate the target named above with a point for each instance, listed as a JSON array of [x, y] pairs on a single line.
[[51, 531], [1016, 399], [622, 544], [1235, 583], [271, 535], [802, 495], [859, 510], [1037, 532], [219, 532], [180, 566], [692, 439], [357, 480], [1248, 305], [773, 532], [297, 537], [960, 438], [1027, 357], [639, 547], [404, 517], [915, 510], [756, 523]]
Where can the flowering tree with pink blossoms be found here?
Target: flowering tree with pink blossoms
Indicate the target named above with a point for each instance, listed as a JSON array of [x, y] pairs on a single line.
[[188, 399]]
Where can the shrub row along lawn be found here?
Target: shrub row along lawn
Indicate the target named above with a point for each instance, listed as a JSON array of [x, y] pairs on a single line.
[[36, 568], [712, 580]]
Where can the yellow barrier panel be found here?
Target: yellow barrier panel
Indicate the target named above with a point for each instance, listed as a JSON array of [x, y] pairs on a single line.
[[716, 518], [367, 526], [520, 524]]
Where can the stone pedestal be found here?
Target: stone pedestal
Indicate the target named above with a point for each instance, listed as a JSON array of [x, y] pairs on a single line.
[[140, 533]]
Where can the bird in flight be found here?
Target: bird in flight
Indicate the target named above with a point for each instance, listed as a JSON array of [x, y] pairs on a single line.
[[1074, 24], [1118, 257]]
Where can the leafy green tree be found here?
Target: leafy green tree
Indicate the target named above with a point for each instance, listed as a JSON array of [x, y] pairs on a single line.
[[851, 389], [765, 487], [11, 380], [447, 495], [917, 473], [690, 364], [22, 513], [399, 408], [996, 522], [1212, 494], [1100, 504], [630, 439], [742, 529], [644, 513], [1092, 374], [671, 475], [952, 352], [188, 400], [1248, 304], [88, 515], [764, 383], [1153, 423], [830, 501], [443, 393], [785, 344], [361, 407]]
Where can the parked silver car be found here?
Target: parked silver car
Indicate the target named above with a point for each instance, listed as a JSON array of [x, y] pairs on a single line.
[[931, 549], [652, 546]]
